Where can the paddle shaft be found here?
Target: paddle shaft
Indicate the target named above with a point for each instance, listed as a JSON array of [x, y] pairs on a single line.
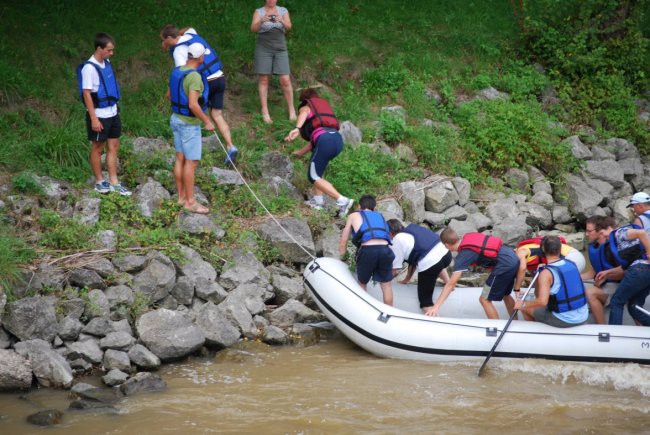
[[514, 314], [644, 311]]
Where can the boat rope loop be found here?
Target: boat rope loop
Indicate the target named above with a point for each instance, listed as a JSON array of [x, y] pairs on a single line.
[[312, 256]]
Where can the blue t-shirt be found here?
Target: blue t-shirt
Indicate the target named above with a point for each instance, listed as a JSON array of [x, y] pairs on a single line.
[[506, 260]]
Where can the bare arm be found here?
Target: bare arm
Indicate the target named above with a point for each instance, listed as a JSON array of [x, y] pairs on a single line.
[[294, 133], [542, 292], [521, 272], [446, 291], [286, 21], [196, 110], [445, 276], [345, 235], [409, 274], [256, 24], [94, 121]]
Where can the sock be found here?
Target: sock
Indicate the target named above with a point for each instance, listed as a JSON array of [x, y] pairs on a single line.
[[318, 199], [342, 200]]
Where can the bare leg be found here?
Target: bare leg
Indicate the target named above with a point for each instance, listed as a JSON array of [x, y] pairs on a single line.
[[387, 292], [189, 167], [263, 89], [528, 314], [597, 298], [489, 309], [323, 186], [111, 159], [364, 286], [222, 125], [96, 160], [178, 177], [287, 89], [510, 304]]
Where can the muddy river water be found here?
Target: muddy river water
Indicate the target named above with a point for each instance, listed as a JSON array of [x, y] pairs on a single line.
[[335, 387]]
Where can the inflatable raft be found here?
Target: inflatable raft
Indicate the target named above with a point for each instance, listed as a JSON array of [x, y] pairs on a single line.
[[461, 332]]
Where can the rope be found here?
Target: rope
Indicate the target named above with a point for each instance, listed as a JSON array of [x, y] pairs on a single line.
[[313, 257]]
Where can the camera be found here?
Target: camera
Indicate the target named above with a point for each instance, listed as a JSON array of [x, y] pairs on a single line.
[[273, 18]]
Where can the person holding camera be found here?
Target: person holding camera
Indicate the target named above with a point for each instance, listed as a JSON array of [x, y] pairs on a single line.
[[270, 22]]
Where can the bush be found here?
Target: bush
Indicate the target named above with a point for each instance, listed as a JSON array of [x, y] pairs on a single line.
[[13, 254], [64, 234], [26, 182], [386, 79], [393, 127]]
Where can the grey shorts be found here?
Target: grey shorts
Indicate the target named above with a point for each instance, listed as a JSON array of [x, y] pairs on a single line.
[[269, 61], [544, 315]]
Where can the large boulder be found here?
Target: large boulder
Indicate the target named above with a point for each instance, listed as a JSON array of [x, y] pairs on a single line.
[[607, 170], [327, 242], [129, 263], [247, 269], [219, 331], [622, 148], [512, 229], [226, 177], [193, 266], [157, 279], [480, 221], [115, 359], [183, 290], [209, 291], [582, 199], [143, 357], [149, 197], [536, 215], [119, 295], [195, 223], [97, 305], [168, 334], [50, 368], [86, 211], [86, 278], [294, 312], [412, 199], [440, 197], [87, 350], [119, 340], [463, 227], [31, 318], [148, 146], [293, 248], [502, 209], [390, 209], [350, 133], [517, 179], [463, 189], [239, 316], [287, 288], [578, 149], [15, 371], [102, 266], [277, 164], [69, 328], [143, 382]]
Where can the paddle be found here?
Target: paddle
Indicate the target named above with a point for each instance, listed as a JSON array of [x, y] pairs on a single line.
[[642, 310], [480, 370]]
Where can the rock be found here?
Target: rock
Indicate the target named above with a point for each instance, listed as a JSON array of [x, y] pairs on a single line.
[[102, 266], [327, 242], [5, 340], [119, 340], [193, 266], [219, 331], [80, 365], [404, 152], [304, 335], [462, 227], [97, 305], [122, 326], [293, 312], [517, 179], [412, 200], [210, 291], [536, 215], [543, 186], [395, 110], [480, 221], [115, 377], [578, 149], [74, 307], [463, 189], [623, 149], [80, 387], [492, 94], [88, 350], [600, 153], [238, 315], [50, 277], [98, 394], [390, 209], [119, 295], [91, 405], [15, 371], [543, 199], [194, 223], [606, 170], [31, 318], [565, 228], [260, 322], [183, 291], [432, 95], [226, 177], [440, 197], [143, 382], [288, 249], [502, 209], [277, 164], [129, 263], [274, 336], [631, 167], [106, 239], [535, 175], [143, 357], [115, 359], [561, 214], [602, 187], [50, 368], [620, 212], [436, 220], [149, 197], [287, 288], [455, 212], [350, 133], [48, 417], [69, 328], [86, 211], [582, 199], [148, 146], [157, 279], [86, 278], [98, 326], [153, 329], [280, 187], [511, 230]]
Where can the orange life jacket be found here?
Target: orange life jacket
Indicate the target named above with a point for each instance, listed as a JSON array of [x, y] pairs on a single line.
[[322, 115], [486, 246]]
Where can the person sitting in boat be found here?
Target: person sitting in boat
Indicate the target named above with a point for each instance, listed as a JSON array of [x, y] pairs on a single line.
[[477, 249], [560, 294], [531, 257], [597, 230], [370, 234], [422, 250]]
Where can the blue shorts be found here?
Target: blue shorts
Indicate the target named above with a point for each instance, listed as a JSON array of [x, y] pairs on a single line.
[[327, 147], [187, 138], [500, 281], [216, 92], [376, 262]]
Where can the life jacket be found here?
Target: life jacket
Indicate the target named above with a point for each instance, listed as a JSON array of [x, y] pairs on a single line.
[[211, 62], [536, 255], [645, 220], [598, 258], [425, 241], [571, 294], [322, 115], [625, 252], [179, 99], [486, 246], [373, 226], [108, 92]]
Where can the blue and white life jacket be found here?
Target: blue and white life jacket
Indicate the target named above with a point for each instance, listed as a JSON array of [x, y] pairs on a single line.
[[598, 258], [425, 241], [179, 99], [571, 294], [211, 62], [373, 226], [626, 251], [108, 92], [645, 220]]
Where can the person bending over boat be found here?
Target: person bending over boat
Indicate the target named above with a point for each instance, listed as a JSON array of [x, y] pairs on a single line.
[[423, 251], [370, 234], [531, 257], [640, 205], [560, 294], [597, 230], [477, 249]]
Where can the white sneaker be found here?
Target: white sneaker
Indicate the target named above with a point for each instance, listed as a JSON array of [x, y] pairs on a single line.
[[313, 204], [345, 208]]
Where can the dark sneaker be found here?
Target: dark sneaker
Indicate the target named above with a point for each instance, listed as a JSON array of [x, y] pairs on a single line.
[[103, 187], [120, 189], [345, 208], [232, 156]]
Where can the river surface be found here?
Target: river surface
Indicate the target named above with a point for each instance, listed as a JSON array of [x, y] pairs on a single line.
[[335, 387]]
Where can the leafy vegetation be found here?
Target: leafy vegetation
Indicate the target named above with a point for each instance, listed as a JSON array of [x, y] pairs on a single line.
[[14, 252]]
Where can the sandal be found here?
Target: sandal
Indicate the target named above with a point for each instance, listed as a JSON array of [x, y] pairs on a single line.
[[197, 208]]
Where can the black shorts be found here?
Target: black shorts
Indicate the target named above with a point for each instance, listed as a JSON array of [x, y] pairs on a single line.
[[376, 262], [216, 90], [327, 147], [427, 280], [112, 129]]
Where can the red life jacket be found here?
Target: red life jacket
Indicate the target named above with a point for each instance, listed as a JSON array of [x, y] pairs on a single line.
[[486, 246], [322, 115], [536, 255]]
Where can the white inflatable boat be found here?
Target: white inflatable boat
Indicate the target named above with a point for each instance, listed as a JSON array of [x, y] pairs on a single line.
[[462, 331]]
